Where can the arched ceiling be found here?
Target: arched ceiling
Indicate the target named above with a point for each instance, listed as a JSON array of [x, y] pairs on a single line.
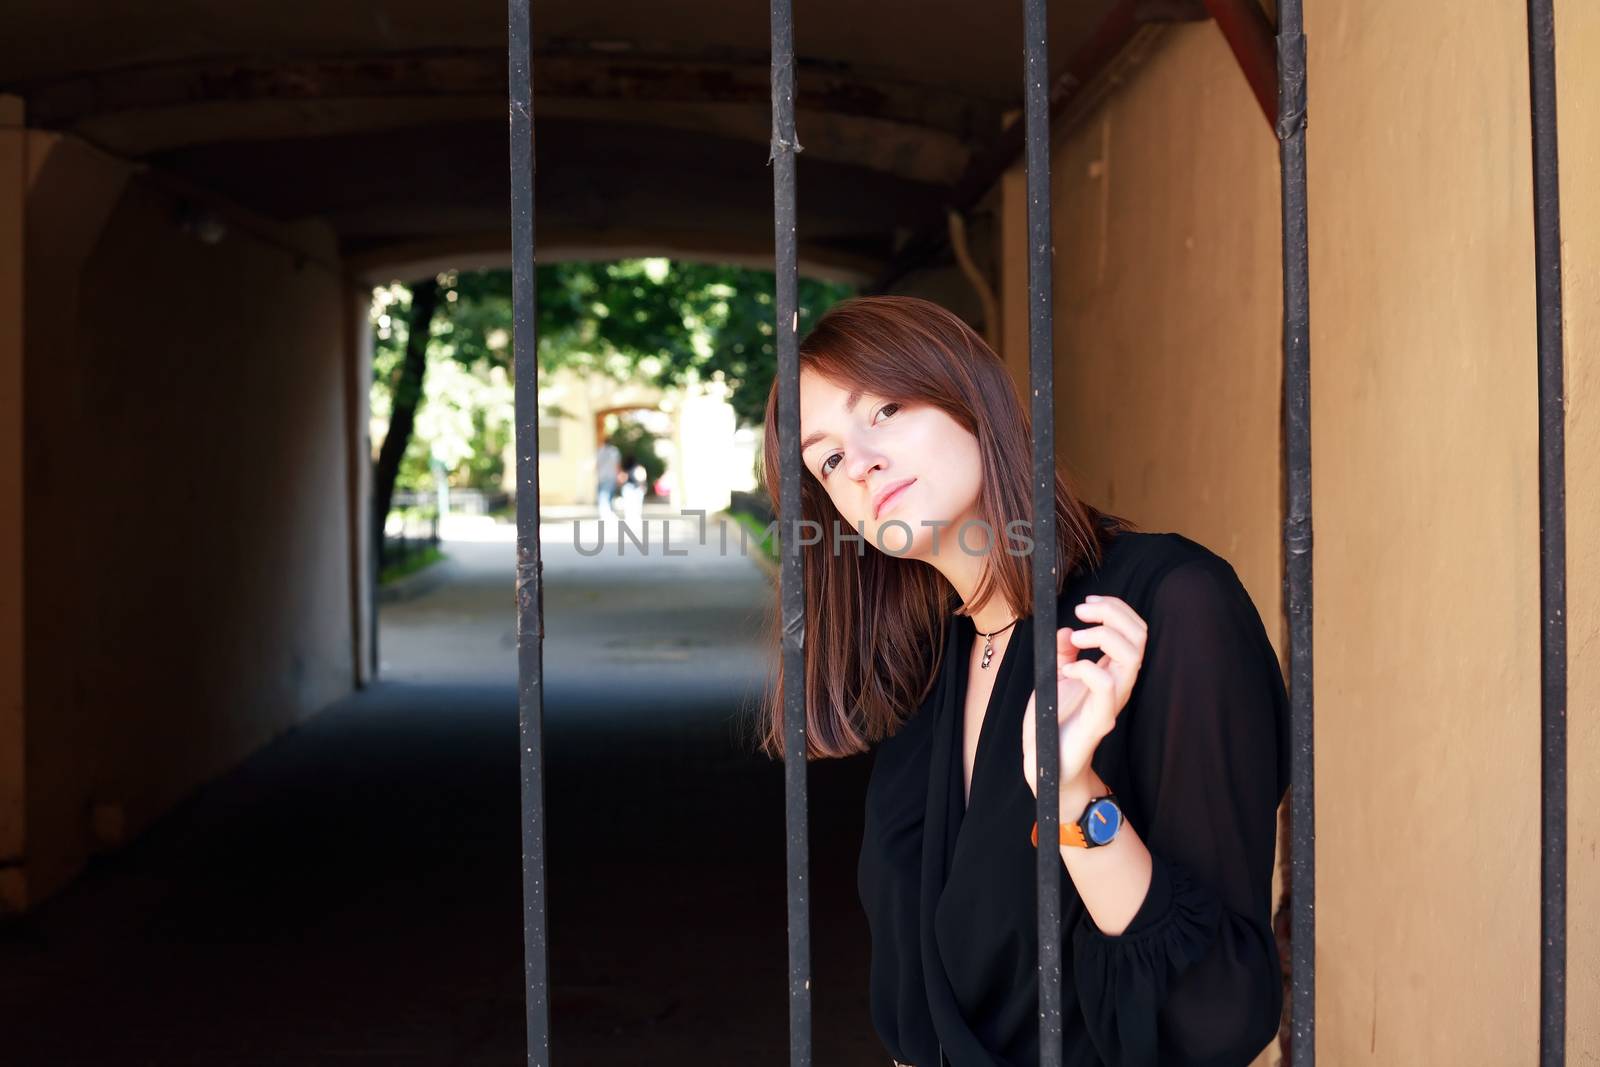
[[387, 118]]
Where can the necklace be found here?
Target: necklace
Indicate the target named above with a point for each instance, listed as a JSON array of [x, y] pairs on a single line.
[[988, 642]]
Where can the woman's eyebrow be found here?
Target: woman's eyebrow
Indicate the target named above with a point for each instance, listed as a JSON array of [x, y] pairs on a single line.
[[849, 405]]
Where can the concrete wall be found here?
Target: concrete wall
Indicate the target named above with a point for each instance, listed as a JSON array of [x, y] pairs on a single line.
[[1168, 318], [358, 478], [1578, 107], [188, 521]]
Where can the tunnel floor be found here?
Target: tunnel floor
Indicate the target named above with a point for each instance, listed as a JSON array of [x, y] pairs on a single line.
[[352, 892]]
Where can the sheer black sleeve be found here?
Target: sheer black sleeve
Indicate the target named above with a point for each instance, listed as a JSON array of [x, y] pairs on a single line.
[[1195, 978]]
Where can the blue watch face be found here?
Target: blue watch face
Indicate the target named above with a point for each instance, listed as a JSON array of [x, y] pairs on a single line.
[[1102, 821]]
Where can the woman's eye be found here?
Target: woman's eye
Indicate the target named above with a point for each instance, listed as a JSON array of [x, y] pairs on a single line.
[[889, 408]]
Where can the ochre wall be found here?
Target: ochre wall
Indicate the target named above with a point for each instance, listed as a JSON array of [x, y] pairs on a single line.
[[1578, 108], [1425, 452], [188, 527], [1426, 514], [1168, 365]]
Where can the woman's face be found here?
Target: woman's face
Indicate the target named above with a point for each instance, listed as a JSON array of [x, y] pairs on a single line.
[[861, 446]]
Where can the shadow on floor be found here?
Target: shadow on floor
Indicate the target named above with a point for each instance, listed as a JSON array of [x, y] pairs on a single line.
[[352, 893]]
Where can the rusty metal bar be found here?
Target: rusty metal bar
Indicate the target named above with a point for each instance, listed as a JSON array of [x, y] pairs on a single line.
[[1041, 373], [530, 587], [1297, 528], [1552, 540], [791, 567]]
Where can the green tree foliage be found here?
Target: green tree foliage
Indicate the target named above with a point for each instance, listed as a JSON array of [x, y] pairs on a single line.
[[406, 384], [669, 321]]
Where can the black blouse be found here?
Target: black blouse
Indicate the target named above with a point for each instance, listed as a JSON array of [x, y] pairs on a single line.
[[1198, 759]]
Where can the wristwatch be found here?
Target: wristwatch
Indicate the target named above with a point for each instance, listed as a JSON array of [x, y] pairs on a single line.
[[1098, 825]]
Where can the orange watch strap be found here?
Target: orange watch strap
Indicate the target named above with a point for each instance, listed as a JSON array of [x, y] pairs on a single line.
[[1071, 834]]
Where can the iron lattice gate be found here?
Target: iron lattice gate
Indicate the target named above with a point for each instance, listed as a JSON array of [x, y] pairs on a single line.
[[1290, 128]]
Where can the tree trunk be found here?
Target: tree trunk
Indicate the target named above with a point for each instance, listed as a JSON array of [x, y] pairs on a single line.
[[407, 395]]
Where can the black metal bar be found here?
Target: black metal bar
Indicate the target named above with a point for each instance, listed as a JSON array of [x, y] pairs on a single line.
[[785, 145], [1041, 374], [1552, 540], [1297, 528], [530, 583]]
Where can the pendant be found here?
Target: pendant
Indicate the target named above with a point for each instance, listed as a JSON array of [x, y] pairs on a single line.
[[988, 653]]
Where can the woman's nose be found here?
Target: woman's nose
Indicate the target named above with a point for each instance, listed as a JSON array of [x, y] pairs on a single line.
[[863, 463]]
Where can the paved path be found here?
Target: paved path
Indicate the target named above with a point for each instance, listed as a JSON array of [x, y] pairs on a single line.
[[352, 894]]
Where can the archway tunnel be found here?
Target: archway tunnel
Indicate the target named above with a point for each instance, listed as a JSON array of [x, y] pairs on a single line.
[[240, 821]]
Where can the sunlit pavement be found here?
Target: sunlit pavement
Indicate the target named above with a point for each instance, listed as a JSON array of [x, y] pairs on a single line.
[[352, 894]]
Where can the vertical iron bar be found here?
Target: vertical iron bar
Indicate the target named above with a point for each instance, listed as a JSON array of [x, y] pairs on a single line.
[[530, 586], [1297, 530], [1041, 373], [1552, 540], [792, 568]]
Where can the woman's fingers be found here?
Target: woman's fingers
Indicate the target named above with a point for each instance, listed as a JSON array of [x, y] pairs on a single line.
[[1099, 706], [1121, 635], [1086, 709], [1113, 611], [1066, 651], [1112, 642], [1093, 677], [1090, 694]]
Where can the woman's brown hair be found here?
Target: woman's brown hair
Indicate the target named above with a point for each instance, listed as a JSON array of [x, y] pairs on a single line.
[[875, 622]]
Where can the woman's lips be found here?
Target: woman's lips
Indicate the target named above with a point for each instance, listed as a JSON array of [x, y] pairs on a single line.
[[889, 501]]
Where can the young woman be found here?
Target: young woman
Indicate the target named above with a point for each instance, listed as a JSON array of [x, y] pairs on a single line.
[[1171, 707]]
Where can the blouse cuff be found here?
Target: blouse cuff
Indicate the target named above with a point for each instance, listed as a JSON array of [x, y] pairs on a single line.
[[1177, 909], [1124, 981]]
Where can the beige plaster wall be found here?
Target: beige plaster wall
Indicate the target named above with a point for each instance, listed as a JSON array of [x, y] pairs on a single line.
[[187, 524], [1578, 109], [1426, 515], [1426, 466], [1167, 281]]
